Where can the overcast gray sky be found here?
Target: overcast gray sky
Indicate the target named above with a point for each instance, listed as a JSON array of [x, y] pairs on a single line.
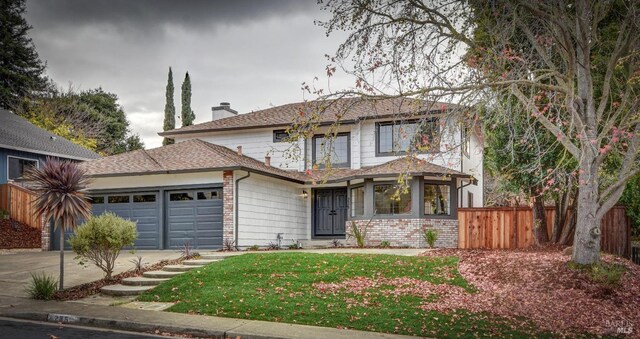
[[254, 54]]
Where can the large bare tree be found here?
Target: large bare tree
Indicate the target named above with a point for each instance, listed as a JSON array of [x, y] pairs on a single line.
[[571, 65]]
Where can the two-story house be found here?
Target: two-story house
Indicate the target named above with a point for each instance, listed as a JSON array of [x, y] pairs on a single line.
[[241, 178]]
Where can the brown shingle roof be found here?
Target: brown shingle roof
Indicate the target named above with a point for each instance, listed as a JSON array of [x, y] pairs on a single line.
[[195, 155], [347, 110], [188, 156], [410, 165]]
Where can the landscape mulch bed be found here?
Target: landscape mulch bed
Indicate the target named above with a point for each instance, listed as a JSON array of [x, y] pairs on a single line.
[[14, 234], [539, 285], [88, 289]]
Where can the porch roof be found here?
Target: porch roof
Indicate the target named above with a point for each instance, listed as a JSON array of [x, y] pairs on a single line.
[[409, 165]]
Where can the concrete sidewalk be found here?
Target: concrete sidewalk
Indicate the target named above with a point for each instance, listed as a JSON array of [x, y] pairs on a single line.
[[150, 321]]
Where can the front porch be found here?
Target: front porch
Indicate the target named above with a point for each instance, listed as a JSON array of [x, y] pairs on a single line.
[[393, 211]]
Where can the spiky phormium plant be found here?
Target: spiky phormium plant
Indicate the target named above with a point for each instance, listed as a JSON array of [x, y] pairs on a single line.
[[60, 187]]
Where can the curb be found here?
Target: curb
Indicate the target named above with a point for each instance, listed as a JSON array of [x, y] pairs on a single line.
[[122, 325], [253, 332]]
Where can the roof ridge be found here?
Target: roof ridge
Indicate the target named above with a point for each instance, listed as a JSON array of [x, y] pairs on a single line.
[[144, 151]]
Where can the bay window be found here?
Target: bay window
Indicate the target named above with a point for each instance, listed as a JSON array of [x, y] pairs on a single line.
[[391, 199], [357, 201], [437, 199]]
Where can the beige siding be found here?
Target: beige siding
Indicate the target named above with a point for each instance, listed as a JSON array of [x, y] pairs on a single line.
[[268, 206]]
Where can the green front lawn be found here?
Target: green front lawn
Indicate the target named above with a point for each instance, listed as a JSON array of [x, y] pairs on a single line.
[[363, 292]]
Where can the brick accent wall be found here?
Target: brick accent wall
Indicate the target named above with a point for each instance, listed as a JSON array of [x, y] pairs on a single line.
[[407, 232], [227, 206]]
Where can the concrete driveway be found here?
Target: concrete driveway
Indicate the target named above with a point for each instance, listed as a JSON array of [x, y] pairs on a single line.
[[16, 267]]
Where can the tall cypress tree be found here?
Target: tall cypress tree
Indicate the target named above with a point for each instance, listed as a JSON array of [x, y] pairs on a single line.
[[187, 114], [169, 110], [21, 70]]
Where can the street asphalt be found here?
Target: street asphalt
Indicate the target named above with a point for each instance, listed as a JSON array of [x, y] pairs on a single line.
[[24, 329]]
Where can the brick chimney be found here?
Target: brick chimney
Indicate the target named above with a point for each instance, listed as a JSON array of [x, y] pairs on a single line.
[[267, 160], [239, 150]]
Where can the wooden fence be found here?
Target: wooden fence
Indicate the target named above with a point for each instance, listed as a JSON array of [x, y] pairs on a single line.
[[19, 202], [512, 227]]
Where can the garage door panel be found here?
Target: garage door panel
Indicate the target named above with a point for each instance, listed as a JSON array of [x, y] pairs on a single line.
[[181, 226], [209, 225], [209, 234], [207, 211], [181, 211], [198, 220], [179, 242]]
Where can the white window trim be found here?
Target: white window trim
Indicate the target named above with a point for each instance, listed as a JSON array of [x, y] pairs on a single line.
[[23, 158]]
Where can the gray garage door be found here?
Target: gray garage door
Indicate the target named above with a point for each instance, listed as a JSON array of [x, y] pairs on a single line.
[[143, 208], [195, 217]]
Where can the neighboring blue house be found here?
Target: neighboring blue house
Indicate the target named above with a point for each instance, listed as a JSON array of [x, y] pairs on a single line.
[[23, 144]]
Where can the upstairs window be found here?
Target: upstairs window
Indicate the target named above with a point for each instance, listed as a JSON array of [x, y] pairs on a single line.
[[336, 150], [18, 166], [396, 138], [466, 140], [280, 135]]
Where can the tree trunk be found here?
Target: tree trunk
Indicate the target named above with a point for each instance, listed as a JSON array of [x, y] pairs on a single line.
[[539, 218], [61, 258], [566, 238], [562, 211], [586, 244]]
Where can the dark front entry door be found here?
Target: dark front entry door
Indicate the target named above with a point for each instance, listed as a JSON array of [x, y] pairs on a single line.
[[330, 213]]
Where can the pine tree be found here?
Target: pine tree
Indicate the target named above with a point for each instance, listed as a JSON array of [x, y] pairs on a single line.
[[169, 110], [187, 114], [21, 70]]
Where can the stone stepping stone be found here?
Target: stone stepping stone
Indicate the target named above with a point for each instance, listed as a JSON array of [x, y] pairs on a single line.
[[142, 281], [180, 268], [160, 274], [211, 256], [123, 290], [199, 262]]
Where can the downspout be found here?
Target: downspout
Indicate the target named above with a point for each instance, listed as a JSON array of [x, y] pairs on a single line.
[[235, 208], [462, 136]]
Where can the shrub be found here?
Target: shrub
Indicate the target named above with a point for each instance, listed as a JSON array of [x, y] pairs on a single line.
[[296, 245], [603, 273], [4, 214], [100, 239], [137, 264], [385, 244], [186, 251], [273, 246], [430, 236], [42, 287], [253, 248], [229, 245], [359, 233]]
